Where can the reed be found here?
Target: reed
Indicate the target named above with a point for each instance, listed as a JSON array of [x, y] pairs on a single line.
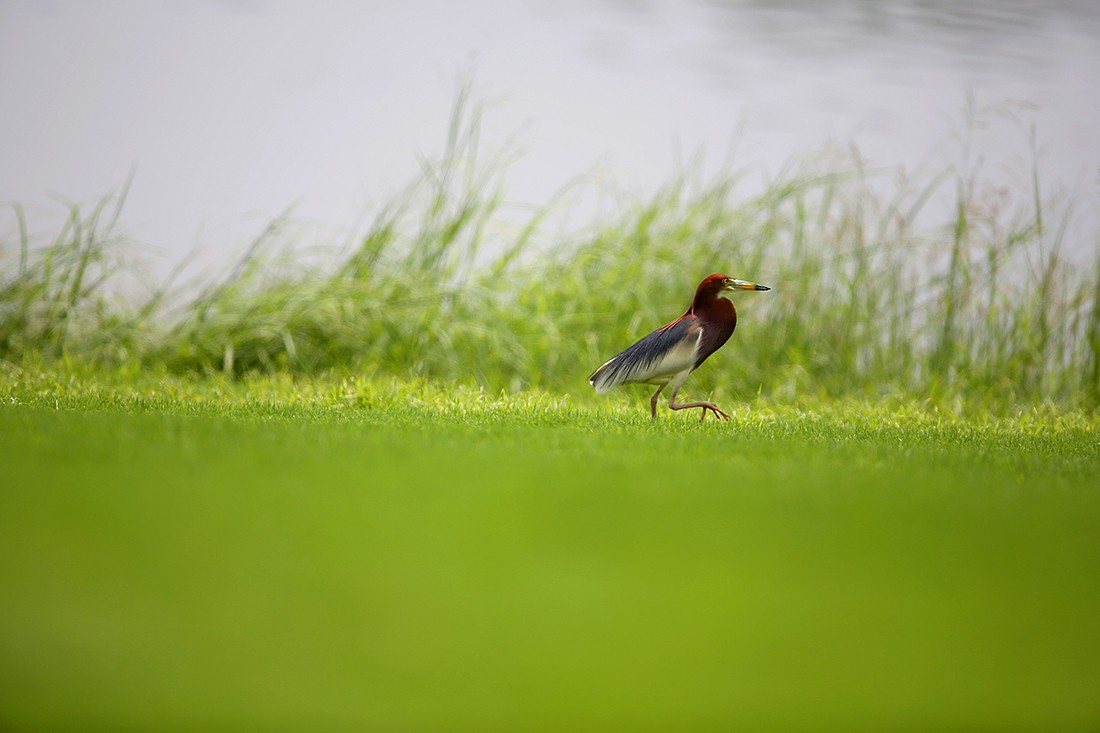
[[970, 302]]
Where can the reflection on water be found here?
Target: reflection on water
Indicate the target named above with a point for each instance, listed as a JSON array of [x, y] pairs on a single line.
[[230, 111], [983, 33]]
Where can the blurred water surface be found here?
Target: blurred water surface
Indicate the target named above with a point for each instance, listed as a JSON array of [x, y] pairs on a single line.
[[229, 112]]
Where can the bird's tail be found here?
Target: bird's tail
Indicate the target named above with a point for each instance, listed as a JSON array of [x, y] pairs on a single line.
[[603, 379]]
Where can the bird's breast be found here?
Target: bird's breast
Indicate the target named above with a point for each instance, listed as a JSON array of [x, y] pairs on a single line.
[[718, 320]]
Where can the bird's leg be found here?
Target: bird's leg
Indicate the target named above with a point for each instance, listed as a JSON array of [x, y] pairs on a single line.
[[704, 405], [653, 401]]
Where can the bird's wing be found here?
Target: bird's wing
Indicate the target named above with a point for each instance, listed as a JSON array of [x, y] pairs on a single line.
[[655, 358]]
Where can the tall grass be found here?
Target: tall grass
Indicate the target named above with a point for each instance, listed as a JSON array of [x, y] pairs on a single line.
[[58, 299], [946, 289]]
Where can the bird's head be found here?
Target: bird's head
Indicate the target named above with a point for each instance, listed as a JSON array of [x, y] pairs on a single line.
[[719, 283]]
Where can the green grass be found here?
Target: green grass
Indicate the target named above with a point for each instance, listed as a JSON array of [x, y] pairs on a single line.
[[286, 553], [365, 486]]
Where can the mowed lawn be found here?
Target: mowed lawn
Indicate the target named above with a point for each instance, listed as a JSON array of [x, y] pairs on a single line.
[[520, 569]]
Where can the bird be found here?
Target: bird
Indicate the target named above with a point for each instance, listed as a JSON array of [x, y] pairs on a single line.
[[667, 356]]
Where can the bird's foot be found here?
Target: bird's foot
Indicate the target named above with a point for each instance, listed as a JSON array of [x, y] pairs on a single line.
[[713, 408], [705, 405]]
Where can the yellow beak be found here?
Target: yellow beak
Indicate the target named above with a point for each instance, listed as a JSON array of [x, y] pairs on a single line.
[[746, 285]]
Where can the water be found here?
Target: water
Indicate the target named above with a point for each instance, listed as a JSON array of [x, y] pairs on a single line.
[[226, 113]]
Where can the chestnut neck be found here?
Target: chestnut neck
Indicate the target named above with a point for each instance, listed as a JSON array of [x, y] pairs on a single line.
[[708, 304]]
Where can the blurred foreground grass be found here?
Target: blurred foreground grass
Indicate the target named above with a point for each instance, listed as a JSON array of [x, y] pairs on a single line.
[[278, 554]]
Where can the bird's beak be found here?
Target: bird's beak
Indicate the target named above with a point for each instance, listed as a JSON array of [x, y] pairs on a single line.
[[746, 285]]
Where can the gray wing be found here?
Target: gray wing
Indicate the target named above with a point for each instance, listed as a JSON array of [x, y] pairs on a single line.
[[653, 359]]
